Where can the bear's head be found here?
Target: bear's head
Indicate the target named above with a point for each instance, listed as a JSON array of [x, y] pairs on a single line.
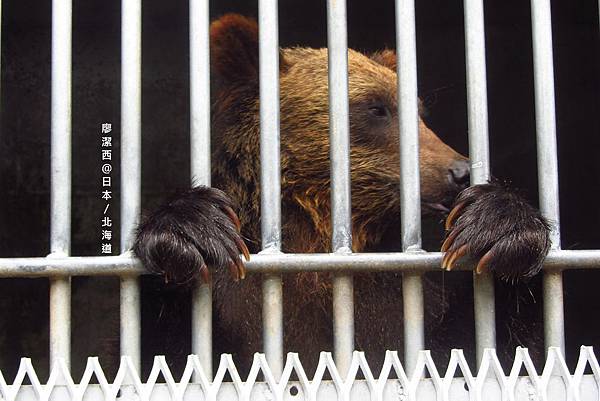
[[374, 129]]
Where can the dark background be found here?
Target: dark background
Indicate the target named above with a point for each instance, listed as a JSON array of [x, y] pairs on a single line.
[[25, 143]]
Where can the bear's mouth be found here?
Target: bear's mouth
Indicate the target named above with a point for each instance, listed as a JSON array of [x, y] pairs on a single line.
[[437, 207]]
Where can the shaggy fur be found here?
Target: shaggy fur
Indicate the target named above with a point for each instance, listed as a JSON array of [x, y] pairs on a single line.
[[499, 229], [197, 229]]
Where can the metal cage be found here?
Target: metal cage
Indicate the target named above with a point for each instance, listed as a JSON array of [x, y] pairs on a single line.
[[491, 383]]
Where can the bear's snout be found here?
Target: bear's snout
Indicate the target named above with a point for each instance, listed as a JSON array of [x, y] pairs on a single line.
[[459, 174]]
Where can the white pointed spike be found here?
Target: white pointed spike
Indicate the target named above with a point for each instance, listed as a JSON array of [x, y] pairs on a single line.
[[133, 375], [179, 388], [287, 370], [102, 381], [159, 365], [163, 367], [277, 388], [118, 382], [522, 354], [63, 376], [78, 390], [457, 360], [491, 363], [399, 369], [344, 386], [366, 369], [233, 372], [310, 391], [222, 370], [245, 388], [297, 364], [209, 389], [11, 390], [321, 367], [427, 361], [261, 361], [186, 376], [516, 368], [333, 371], [194, 366], [35, 382], [555, 363], [335, 375], [384, 374], [586, 355]]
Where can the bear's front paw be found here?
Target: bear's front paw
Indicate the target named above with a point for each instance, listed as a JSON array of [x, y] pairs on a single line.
[[499, 229], [195, 230]]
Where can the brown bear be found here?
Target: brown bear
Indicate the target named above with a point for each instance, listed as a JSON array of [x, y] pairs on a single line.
[[199, 229]]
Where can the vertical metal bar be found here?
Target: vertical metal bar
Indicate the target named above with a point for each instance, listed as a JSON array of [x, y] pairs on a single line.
[[272, 310], [545, 121], [131, 122], [60, 203], [414, 326], [410, 199], [200, 162], [483, 284], [270, 179], [339, 137]]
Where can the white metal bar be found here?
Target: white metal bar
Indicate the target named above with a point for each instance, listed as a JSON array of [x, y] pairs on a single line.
[[130, 319], [131, 122], [272, 310], [281, 263], [545, 121], [200, 162], [60, 319], [410, 189], [414, 318], [339, 137], [483, 284], [270, 178], [60, 203]]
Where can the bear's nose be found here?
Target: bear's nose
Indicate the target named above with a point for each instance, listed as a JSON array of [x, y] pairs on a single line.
[[460, 173]]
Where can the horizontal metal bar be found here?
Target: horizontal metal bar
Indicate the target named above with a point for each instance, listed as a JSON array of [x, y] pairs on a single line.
[[279, 263]]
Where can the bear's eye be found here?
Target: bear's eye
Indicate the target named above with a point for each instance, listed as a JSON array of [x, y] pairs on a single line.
[[379, 111]]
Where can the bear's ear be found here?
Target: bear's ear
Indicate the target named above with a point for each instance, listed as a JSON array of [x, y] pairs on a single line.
[[386, 58], [234, 47]]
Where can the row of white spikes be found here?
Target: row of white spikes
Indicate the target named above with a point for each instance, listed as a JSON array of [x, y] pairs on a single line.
[[490, 367]]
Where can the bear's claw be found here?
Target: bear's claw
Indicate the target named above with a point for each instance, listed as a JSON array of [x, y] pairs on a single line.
[[196, 229], [498, 228]]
